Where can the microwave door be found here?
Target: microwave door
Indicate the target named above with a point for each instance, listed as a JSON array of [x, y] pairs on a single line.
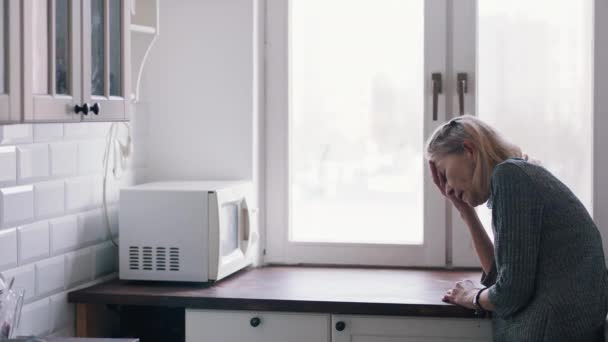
[[233, 233]]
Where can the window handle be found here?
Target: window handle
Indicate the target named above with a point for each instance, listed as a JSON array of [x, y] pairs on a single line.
[[437, 89], [463, 86]]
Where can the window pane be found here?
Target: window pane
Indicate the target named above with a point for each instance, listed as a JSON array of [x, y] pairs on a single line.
[[98, 15], [62, 47], [3, 45], [535, 82], [357, 121], [40, 47], [116, 47]]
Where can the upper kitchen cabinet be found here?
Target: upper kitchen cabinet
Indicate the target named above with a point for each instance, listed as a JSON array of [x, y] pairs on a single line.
[[76, 56], [107, 58], [10, 63]]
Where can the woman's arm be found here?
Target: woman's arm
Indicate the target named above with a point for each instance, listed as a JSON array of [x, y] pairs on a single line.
[[481, 241], [484, 301]]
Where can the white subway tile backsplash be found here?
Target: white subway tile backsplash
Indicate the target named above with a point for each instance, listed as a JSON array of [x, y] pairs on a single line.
[[35, 319], [16, 205], [48, 132], [112, 190], [50, 276], [78, 267], [48, 171], [64, 159], [62, 313], [98, 191], [106, 259], [49, 199], [8, 248], [64, 234], [79, 194], [75, 131], [8, 166], [91, 227], [32, 163], [15, 134], [25, 280], [33, 242], [90, 157], [99, 129]]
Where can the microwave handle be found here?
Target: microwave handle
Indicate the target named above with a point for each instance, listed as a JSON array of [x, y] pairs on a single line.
[[248, 235]]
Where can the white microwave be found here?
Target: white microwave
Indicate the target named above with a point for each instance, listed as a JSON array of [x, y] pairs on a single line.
[[186, 231]]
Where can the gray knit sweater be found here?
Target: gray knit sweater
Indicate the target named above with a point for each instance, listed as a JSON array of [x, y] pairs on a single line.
[[549, 281]]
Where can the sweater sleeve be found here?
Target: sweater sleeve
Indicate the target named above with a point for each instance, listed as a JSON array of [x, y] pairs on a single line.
[[489, 279], [517, 212]]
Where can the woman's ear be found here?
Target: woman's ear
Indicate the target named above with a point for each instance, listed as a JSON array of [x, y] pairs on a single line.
[[470, 149]]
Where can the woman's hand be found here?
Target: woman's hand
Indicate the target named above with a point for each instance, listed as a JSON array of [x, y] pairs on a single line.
[[466, 211], [462, 294]]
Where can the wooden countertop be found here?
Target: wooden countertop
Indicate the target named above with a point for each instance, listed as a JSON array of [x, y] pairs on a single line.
[[337, 290], [74, 339]]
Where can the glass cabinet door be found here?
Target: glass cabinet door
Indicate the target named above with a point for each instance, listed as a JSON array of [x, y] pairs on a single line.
[[9, 61], [106, 58], [52, 62]]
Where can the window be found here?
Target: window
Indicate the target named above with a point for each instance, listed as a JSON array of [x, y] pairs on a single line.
[[350, 104]]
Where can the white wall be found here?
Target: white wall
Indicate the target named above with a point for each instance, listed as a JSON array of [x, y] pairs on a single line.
[[200, 91]]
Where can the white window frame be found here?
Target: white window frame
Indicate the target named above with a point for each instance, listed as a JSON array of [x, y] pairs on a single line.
[[281, 251], [455, 251]]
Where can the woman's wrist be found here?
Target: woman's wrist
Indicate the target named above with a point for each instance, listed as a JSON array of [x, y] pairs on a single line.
[[477, 302], [469, 216]]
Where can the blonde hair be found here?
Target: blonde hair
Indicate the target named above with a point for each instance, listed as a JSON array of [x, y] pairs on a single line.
[[492, 148]]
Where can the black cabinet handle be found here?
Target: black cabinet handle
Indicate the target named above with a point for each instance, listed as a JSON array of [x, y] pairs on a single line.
[[340, 326], [95, 108], [255, 321], [84, 109]]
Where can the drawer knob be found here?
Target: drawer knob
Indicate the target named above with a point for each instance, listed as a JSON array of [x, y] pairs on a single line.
[[84, 109], [255, 321], [95, 108], [340, 326]]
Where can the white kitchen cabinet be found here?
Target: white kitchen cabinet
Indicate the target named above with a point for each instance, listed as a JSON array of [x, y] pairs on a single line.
[[238, 326], [10, 63], [76, 60], [409, 329], [107, 58]]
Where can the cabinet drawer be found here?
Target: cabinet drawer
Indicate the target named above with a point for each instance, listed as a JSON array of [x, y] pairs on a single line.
[[409, 329], [238, 326]]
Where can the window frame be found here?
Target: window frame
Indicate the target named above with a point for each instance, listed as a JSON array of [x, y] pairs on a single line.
[[432, 253]]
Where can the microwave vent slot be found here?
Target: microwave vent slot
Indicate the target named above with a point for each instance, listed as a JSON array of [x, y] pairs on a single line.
[[161, 259], [174, 259], [134, 258], [147, 258]]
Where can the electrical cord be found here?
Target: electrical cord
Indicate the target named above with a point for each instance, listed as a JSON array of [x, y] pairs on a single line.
[[120, 149]]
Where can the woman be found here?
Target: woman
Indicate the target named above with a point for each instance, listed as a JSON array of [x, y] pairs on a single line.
[[545, 277]]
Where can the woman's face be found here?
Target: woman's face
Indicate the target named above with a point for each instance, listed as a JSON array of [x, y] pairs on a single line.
[[458, 170]]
